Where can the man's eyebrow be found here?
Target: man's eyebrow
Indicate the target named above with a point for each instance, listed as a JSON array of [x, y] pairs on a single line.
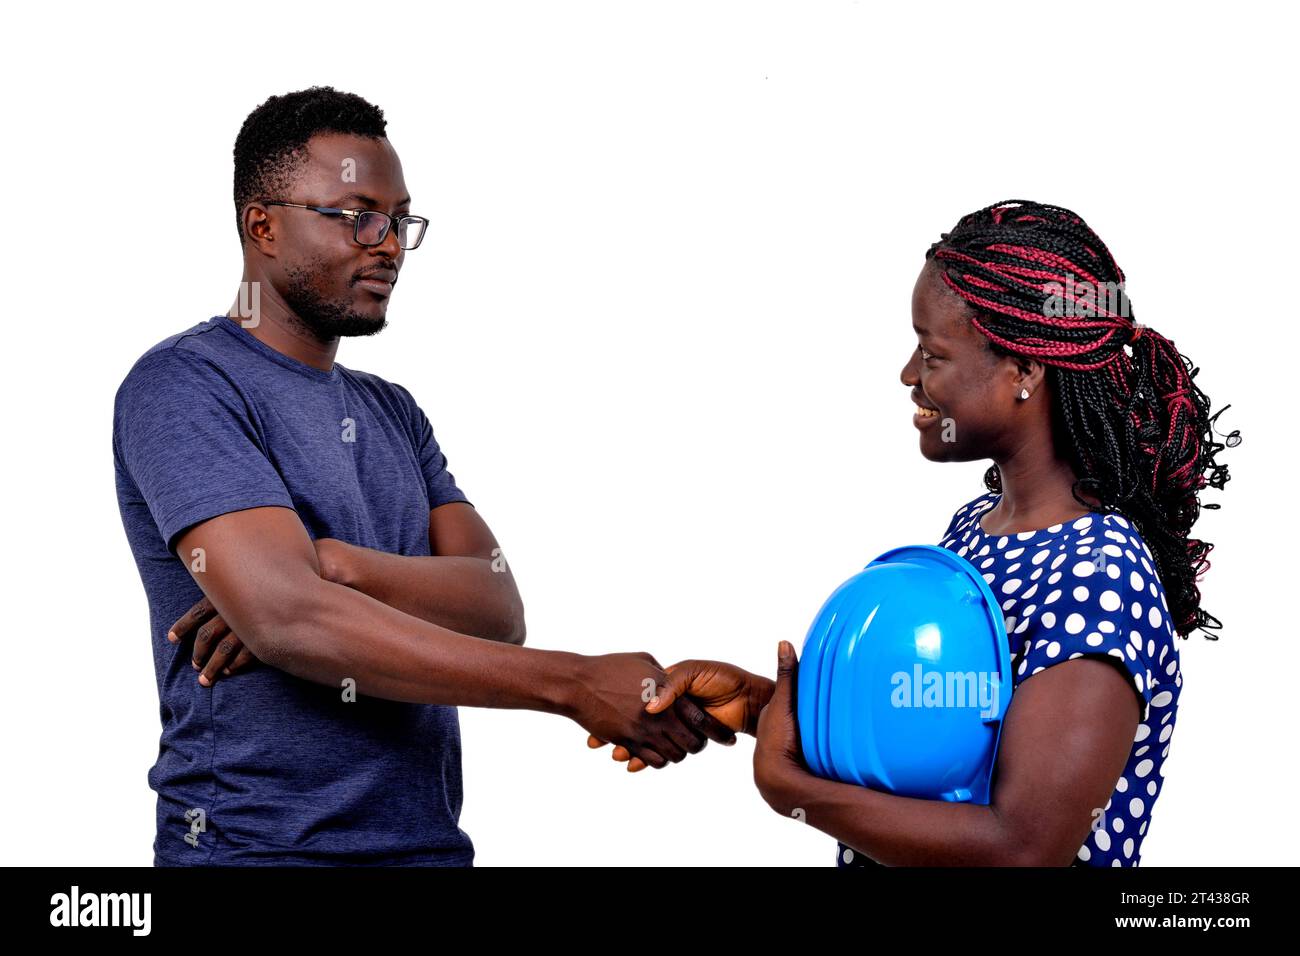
[[919, 330], [366, 200]]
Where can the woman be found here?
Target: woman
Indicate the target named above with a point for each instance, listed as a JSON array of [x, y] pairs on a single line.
[[1100, 442]]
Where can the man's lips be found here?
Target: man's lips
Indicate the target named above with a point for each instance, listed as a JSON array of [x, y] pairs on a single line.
[[380, 283]]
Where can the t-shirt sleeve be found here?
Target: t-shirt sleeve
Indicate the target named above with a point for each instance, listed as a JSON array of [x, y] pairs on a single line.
[[440, 482], [1103, 607], [184, 434]]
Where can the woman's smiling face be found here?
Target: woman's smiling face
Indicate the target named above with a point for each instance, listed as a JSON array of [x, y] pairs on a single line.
[[968, 391]]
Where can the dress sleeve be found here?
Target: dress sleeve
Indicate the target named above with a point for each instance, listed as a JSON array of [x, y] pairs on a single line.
[[1106, 605]]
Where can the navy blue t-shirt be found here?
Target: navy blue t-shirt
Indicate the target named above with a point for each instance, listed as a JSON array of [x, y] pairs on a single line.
[[264, 767]]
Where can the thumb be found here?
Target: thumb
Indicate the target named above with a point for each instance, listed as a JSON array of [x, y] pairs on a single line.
[[676, 683], [785, 665]]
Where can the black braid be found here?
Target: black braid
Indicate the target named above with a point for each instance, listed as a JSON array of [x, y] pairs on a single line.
[[1136, 428]]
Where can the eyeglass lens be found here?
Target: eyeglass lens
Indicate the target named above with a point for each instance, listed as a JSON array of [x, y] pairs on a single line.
[[372, 227]]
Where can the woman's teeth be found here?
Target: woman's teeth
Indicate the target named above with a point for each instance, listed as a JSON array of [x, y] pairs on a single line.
[[926, 412]]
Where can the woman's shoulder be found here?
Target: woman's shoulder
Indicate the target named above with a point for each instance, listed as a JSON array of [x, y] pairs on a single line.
[[967, 514], [1117, 537], [1100, 595], [1112, 533]]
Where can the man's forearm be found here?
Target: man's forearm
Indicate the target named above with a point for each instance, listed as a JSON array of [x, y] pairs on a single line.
[[462, 594], [333, 633]]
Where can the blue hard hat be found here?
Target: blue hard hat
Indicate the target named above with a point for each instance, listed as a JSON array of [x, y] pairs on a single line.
[[905, 678]]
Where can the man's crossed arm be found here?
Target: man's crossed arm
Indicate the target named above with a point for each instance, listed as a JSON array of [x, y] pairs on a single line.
[[266, 581], [465, 586]]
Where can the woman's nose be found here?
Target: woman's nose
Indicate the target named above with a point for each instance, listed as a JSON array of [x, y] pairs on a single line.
[[908, 376]]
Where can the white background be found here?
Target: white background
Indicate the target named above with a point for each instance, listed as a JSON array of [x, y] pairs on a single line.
[[658, 325]]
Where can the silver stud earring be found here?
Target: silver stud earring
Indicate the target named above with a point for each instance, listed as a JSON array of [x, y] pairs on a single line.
[[1024, 393]]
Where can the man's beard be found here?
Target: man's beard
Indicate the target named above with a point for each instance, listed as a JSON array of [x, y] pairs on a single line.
[[323, 318]]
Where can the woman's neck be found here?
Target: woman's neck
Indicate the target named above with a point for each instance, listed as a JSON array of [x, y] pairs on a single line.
[[1035, 494]]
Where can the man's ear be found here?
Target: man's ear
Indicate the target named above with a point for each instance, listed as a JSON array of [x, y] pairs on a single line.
[[259, 231]]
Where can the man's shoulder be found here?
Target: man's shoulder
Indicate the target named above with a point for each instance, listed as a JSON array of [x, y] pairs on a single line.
[[181, 348], [397, 398], [373, 381], [184, 374]]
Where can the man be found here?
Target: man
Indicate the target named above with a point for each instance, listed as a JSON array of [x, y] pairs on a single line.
[[309, 510]]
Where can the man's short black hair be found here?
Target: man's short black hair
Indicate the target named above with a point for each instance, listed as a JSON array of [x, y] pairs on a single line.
[[271, 145]]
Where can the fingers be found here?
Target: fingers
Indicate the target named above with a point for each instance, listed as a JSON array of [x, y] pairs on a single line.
[[222, 656], [651, 757], [670, 743], [206, 638], [679, 736], [191, 619], [243, 660], [702, 722], [620, 753], [674, 685]]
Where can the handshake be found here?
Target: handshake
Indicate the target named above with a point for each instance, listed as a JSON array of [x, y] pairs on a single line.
[[659, 715]]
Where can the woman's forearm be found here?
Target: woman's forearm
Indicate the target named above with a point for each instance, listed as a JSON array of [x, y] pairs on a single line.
[[901, 831]]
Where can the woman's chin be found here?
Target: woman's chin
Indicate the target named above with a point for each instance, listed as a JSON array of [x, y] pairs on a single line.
[[943, 451]]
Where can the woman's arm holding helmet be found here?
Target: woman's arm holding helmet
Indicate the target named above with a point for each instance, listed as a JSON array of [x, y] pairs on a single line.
[[1068, 733]]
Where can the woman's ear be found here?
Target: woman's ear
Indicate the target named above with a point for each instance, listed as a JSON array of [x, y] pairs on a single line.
[[1029, 374]]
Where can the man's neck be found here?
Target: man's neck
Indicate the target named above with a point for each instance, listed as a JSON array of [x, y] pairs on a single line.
[[269, 320]]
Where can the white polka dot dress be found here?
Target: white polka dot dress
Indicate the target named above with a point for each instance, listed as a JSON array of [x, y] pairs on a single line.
[[1087, 587]]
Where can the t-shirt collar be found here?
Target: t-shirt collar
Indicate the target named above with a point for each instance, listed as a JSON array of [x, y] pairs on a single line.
[[257, 345]]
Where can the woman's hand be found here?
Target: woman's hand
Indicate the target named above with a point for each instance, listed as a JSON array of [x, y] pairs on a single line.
[[779, 771], [728, 693]]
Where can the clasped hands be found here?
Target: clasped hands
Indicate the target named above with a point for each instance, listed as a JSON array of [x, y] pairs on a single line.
[[744, 703]]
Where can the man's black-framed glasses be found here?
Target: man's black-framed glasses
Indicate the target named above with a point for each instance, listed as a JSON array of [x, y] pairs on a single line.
[[370, 227]]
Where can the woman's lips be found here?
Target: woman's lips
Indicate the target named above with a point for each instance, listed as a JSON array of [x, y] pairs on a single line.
[[924, 417]]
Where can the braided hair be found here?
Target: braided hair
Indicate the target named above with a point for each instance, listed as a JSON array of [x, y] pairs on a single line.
[[1137, 429]]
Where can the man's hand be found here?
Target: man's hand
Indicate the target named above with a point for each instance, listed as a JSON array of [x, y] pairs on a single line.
[[612, 706], [218, 651], [729, 694]]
